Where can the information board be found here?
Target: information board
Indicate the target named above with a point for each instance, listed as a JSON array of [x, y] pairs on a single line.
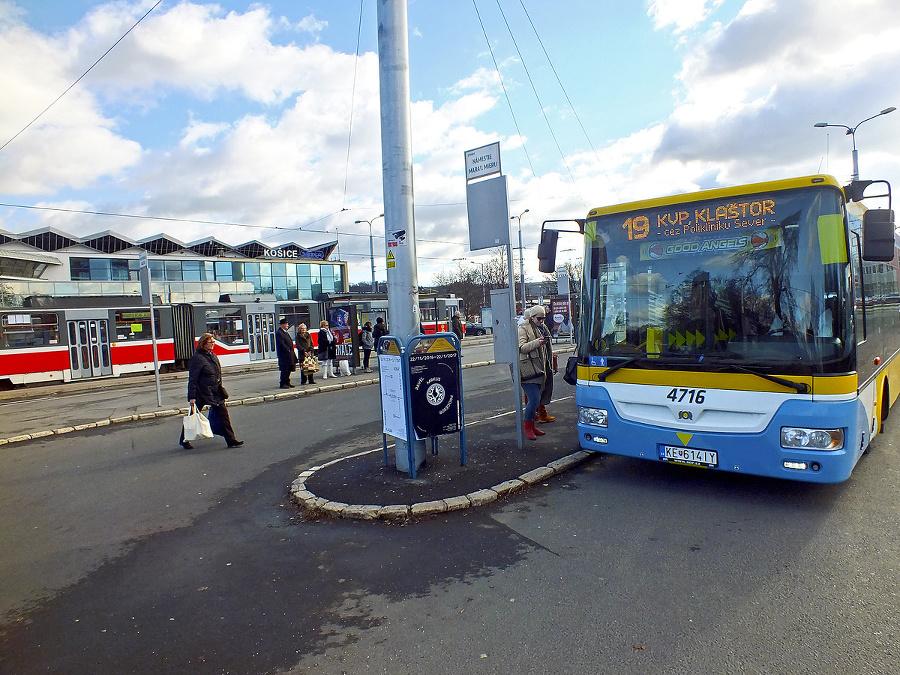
[[390, 373], [434, 389]]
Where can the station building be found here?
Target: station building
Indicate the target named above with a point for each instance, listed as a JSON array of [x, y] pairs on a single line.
[[50, 263]]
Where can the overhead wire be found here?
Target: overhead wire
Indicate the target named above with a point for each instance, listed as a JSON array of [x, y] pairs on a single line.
[[81, 77], [566, 94], [541, 105], [503, 87], [352, 99]]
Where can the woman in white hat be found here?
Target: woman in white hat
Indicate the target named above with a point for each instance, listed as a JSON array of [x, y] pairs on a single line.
[[532, 365]]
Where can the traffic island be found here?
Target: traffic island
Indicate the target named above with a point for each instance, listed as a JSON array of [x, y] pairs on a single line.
[[364, 487]]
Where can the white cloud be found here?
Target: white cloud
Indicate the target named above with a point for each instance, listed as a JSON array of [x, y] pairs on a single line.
[[748, 93], [682, 15]]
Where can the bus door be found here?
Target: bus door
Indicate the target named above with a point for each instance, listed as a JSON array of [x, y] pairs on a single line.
[[261, 332], [88, 335]]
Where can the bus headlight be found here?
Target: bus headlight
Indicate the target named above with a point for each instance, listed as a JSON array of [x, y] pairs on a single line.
[[593, 416], [812, 439]]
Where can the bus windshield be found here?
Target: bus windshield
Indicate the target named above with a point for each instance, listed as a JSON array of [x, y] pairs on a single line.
[[757, 281]]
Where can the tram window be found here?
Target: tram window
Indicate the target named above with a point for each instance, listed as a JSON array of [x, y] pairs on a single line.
[[134, 324], [28, 330], [226, 324]]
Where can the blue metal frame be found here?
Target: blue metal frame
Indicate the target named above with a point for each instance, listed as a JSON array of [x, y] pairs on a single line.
[[407, 399]]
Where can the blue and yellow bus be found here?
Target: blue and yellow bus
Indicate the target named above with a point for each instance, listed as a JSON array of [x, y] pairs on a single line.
[[752, 329]]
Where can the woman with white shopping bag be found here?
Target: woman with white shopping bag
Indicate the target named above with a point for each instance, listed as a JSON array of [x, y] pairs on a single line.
[[205, 389]]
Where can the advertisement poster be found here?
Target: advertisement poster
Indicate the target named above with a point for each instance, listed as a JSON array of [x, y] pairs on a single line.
[[343, 325], [562, 320]]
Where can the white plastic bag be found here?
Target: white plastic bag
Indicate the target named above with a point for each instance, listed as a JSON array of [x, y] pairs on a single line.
[[196, 426], [344, 367]]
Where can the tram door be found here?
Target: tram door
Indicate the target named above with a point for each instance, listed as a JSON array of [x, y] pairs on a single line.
[[261, 330], [88, 345]]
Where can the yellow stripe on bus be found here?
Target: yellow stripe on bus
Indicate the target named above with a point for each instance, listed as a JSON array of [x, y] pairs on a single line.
[[821, 385]]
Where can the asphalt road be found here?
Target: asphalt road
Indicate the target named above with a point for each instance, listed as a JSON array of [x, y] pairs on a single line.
[[121, 554]]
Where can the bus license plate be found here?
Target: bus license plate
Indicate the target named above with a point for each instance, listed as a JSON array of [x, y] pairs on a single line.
[[672, 453]]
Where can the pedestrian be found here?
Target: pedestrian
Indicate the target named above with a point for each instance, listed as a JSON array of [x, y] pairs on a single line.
[[327, 349], [551, 368], [205, 388], [367, 340], [305, 349], [379, 331], [457, 326], [532, 365], [284, 349]]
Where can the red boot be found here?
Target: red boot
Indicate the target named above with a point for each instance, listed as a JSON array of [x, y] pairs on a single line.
[[529, 430]]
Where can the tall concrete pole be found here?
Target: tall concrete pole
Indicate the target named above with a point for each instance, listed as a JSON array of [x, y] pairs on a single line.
[[396, 157]]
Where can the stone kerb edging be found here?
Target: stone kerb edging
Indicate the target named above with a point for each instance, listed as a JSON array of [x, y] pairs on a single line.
[[184, 411], [394, 512]]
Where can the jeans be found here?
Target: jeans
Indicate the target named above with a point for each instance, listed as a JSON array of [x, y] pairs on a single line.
[[533, 392]]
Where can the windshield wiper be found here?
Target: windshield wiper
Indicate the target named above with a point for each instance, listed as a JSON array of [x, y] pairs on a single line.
[[601, 377], [799, 387]]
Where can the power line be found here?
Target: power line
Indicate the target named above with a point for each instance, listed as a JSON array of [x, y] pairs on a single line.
[[305, 228], [56, 100], [352, 99], [503, 87], [566, 94], [541, 105]]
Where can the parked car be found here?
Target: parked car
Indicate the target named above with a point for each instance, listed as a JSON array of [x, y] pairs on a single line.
[[475, 329]]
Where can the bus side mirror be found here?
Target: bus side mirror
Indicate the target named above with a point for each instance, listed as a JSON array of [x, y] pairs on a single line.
[[547, 251], [878, 235]]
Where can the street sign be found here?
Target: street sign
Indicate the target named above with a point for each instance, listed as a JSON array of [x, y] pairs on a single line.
[[483, 161]]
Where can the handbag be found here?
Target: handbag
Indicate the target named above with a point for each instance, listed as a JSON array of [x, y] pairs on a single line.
[[215, 423], [196, 426], [310, 363], [571, 375]]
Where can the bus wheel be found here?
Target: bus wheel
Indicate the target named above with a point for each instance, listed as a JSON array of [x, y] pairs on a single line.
[[885, 406]]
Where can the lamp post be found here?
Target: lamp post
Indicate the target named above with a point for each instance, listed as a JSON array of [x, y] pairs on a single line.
[[851, 131], [371, 244], [521, 257]]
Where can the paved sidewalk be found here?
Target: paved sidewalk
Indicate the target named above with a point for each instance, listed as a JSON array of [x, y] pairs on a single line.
[[362, 486]]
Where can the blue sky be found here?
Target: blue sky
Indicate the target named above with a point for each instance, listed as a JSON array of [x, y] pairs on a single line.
[[239, 112]]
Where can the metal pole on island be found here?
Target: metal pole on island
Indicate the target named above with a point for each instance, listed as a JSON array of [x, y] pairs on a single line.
[[397, 173]]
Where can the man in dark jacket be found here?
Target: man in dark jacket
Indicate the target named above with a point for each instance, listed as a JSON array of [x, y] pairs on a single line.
[[284, 349], [379, 330], [205, 388]]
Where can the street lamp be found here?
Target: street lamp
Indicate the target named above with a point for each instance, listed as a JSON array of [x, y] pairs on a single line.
[[371, 244], [851, 131], [521, 257]]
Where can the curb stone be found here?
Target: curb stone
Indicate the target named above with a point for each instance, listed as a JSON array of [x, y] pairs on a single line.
[[301, 496]]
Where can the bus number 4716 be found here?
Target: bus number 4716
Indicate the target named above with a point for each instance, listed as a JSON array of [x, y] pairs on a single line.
[[680, 395]]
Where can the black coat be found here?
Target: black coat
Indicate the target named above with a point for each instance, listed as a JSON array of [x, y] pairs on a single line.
[[327, 350], [379, 331], [205, 379], [284, 348]]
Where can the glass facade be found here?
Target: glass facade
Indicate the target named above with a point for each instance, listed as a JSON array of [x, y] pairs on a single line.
[[285, 280]]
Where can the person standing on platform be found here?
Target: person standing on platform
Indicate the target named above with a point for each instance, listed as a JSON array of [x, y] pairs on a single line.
[[379, 331], [367, 340], [327, 350], [284, 349], [305, 348], [457, 326], [551, 368], [532, 365], [205, 388]]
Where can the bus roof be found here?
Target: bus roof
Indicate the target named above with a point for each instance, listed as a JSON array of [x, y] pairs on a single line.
[[719, 193]]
